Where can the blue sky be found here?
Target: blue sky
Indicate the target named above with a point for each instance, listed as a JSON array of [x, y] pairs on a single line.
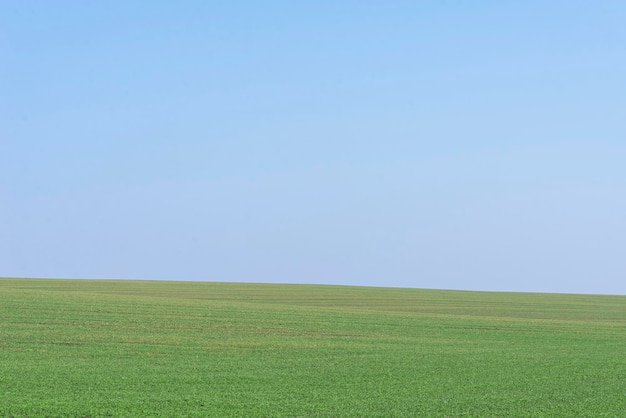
[[441, 144]]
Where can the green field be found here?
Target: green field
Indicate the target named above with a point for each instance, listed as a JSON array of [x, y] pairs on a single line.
[[139, 348]]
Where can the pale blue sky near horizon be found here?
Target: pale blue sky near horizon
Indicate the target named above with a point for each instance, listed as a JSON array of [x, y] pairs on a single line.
[[474, 145]]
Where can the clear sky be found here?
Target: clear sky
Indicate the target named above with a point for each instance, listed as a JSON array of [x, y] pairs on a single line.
[[442, 144]]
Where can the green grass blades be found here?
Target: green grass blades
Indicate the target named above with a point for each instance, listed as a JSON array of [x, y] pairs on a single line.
[[138, 348]]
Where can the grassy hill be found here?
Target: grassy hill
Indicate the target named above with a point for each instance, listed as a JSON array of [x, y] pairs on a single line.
[[140, 348]]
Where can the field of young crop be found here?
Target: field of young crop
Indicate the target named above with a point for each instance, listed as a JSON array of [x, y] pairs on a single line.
[[138, 348]]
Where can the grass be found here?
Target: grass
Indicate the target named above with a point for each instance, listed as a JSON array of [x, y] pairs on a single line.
[[139, 348]]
